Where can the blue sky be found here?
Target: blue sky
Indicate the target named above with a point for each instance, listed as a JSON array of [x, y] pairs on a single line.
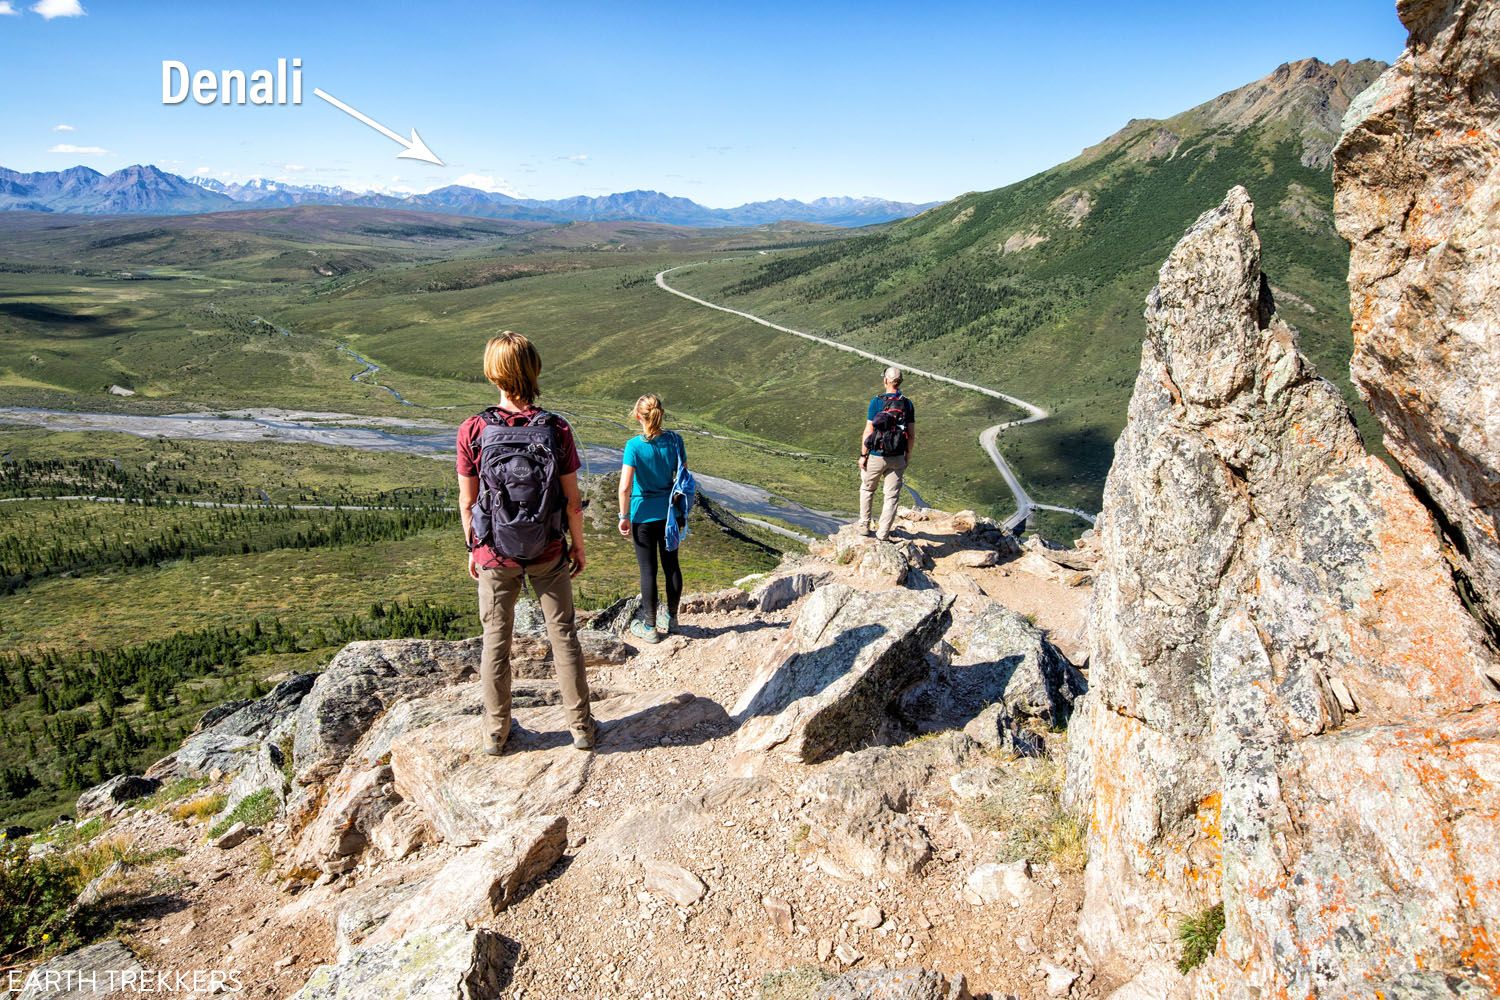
[[721, 103]]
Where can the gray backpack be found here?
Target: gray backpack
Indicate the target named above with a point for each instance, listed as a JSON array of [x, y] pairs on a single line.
[[521, 508]]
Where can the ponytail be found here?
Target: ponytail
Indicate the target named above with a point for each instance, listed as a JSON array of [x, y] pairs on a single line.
[[648, 410]]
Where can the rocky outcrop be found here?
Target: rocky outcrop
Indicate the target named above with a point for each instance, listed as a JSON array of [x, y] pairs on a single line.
[[827, 685], [991, 656], [358, 684], [116, 791], [894, 984], [857, 814], [1289, 710], [1418, 197], [436, 963], [469, 796], [480, 881], [98, 970]]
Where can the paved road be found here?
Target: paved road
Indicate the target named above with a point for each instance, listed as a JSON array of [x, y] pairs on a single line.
[[988, 438]]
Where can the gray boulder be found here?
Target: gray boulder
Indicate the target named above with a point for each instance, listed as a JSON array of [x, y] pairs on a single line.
[[827, 685], [784, 591], [361, 681], [469, 796], [718, 602], [992, 655], [266, 770], [117, 790], [257, 718], [209, 752], [90, 971], [894, 984], [857, 812], [449, 962], [480, 881]]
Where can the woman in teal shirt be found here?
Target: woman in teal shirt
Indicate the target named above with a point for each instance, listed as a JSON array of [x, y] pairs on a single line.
[[646, 476]]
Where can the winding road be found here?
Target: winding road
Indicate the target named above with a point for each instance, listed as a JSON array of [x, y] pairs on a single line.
[[988, 438]]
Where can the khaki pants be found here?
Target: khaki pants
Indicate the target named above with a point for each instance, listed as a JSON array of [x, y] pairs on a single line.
[[498, 590], [892, 470]]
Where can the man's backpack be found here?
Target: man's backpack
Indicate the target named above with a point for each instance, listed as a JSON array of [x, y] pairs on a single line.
[[891, 425], [521, 508], [684, 494]]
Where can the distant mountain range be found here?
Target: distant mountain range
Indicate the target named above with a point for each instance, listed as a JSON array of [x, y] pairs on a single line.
[[148, 190]]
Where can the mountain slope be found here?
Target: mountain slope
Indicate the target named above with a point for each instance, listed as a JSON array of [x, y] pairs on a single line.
[[1038, 287]]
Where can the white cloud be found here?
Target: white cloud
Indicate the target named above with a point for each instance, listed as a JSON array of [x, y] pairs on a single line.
[[7, 9], [578, 158], [295, 168], [486, 182], [202, 172], [63, 128], [68, 147], [58, 8]]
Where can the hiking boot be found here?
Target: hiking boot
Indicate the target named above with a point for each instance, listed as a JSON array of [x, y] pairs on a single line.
[[666, 621], [644, 632], [585, 739], [494, 747]]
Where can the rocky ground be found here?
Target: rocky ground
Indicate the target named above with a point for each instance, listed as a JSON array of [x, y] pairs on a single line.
[[847, 770]]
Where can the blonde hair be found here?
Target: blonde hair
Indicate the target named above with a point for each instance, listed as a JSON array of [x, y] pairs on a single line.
[[648, 410], [513, 365]]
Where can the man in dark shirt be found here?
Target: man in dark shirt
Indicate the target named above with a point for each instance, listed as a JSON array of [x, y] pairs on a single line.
[[876, 466]]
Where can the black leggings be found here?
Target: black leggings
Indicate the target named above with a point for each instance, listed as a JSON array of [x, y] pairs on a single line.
[[650, 539]]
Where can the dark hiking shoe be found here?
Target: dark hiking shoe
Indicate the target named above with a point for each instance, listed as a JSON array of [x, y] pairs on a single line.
[[584, 739]]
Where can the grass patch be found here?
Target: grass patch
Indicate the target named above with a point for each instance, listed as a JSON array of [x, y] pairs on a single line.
[[1027, 812], [65, 836], [1200, 937], [174, 791], [265, 858], [256, 809], [92, 859], [199, 809]]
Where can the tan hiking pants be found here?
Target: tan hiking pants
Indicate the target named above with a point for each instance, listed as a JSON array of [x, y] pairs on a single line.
[[892, 471], [498, 590]]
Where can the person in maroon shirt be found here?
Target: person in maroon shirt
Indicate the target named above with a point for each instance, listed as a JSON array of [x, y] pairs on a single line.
[[511, 362]]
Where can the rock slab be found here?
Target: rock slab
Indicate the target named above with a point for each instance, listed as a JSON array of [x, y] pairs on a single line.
[[826, 686]]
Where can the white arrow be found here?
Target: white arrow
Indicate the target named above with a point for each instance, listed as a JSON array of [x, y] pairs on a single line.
[[416, 149]]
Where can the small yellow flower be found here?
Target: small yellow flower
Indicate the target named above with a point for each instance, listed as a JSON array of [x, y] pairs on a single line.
[[46, 937]]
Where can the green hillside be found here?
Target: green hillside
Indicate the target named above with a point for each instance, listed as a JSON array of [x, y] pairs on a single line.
[[1038, 288]]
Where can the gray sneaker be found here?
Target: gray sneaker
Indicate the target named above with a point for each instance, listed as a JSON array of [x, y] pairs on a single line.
[[644, 632]]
